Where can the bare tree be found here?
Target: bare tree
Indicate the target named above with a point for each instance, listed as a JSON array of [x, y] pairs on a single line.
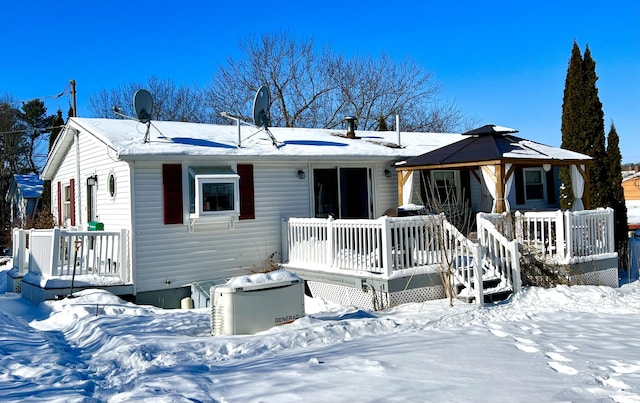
[[177, 103], [452, 225], [298, 77], [313, 87]]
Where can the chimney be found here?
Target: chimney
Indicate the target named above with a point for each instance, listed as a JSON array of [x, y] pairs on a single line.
[[351, 126]]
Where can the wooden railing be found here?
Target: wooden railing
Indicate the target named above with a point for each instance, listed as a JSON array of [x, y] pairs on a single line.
[[56, 252]]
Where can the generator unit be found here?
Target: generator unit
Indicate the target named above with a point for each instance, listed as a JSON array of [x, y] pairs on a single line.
[[250, 304]]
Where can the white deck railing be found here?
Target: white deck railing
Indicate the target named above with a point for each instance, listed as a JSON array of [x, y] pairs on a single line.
[[56, 252], [560, 237], [499, 256], [381, 246]]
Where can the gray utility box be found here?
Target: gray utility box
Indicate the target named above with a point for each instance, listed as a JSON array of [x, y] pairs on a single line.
[[252, 308]]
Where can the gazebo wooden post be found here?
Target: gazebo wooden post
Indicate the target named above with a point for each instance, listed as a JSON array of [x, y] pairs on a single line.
[[403, 176], [500, 188], [400, 186]]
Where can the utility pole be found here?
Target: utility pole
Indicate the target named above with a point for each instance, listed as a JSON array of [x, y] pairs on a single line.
[[73, 97]]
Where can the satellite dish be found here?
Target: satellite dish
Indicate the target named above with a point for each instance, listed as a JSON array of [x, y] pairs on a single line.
[[143, 105], [261, 107]]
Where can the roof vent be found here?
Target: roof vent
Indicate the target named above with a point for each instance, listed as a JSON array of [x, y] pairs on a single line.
[[351, 127]]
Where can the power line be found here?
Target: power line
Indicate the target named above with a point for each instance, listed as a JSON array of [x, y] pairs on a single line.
[[44, 129], [66, 91]]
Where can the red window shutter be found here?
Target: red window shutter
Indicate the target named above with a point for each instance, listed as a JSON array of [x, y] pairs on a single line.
[[59, 203], [72, 195], [247, 204], [172, 193]]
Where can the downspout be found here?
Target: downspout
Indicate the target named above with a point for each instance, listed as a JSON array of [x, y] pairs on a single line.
[[78, 181]]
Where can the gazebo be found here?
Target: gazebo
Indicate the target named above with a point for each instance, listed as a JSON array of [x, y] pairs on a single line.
[[497, 153]]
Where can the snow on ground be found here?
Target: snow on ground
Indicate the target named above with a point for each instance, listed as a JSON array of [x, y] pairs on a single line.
[[562, 344]]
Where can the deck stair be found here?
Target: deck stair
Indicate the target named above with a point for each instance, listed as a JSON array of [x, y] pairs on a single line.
[[499, 262]]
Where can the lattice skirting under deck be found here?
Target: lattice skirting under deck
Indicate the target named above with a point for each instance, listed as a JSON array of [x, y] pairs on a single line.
[[371, 300], [607, 277]]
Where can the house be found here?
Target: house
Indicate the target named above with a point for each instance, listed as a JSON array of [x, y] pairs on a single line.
[[164, 209], [203, 202], [25, 198]]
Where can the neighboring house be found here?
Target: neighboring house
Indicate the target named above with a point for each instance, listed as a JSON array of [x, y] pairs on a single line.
[[631, 188], [203, 202], [25, 198]]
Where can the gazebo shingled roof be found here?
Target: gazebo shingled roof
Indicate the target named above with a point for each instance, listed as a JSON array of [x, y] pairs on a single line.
[[492, 145]]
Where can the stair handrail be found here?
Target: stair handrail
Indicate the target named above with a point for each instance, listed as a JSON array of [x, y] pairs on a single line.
[[500, 254], [469, 269]]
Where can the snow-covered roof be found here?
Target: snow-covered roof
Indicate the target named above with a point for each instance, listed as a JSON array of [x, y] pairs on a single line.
[[29, 186], [633, 211], [486, 144], [631, 176], [126, 137]]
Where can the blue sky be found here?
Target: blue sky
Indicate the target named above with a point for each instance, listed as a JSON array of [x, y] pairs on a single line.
[[502, 62]]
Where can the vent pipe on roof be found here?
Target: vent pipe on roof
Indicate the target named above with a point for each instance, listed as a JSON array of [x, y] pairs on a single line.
[[398, 129], [351, 126]]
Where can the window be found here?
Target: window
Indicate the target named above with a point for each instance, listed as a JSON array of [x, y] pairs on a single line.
[[342, 192], [533, 184], [66, 212], [213, 191], [111, 185], [68, 203], [445, 186]]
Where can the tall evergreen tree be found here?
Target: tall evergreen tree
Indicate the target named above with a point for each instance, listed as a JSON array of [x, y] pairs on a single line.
[[382, 124], [56, 123], [583, 127], [613, 169], [35, 122], [571, 119], [594, 134]]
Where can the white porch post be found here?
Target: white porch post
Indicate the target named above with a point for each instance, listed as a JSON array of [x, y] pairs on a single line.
[[611, 247], [561, 246], [516, 277], [55, 252], [330, 242], [284, 238], [477, 272], [125, 273], [387, 267], [569, 236]]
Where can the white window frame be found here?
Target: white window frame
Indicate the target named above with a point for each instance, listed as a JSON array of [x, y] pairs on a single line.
[[456, 181], [224, 178], [542, 183], [66, 203]]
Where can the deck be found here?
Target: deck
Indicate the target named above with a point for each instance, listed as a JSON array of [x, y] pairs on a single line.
[[399, 259], [370, 263], [49, 263]]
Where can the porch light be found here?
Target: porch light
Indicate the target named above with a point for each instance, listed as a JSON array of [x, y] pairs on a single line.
[[546, 167], [92, 180], [301, 174], [387, 173]]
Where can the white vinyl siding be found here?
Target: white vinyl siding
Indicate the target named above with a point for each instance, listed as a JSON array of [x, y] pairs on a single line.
[[173, 254], [169, 256]]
